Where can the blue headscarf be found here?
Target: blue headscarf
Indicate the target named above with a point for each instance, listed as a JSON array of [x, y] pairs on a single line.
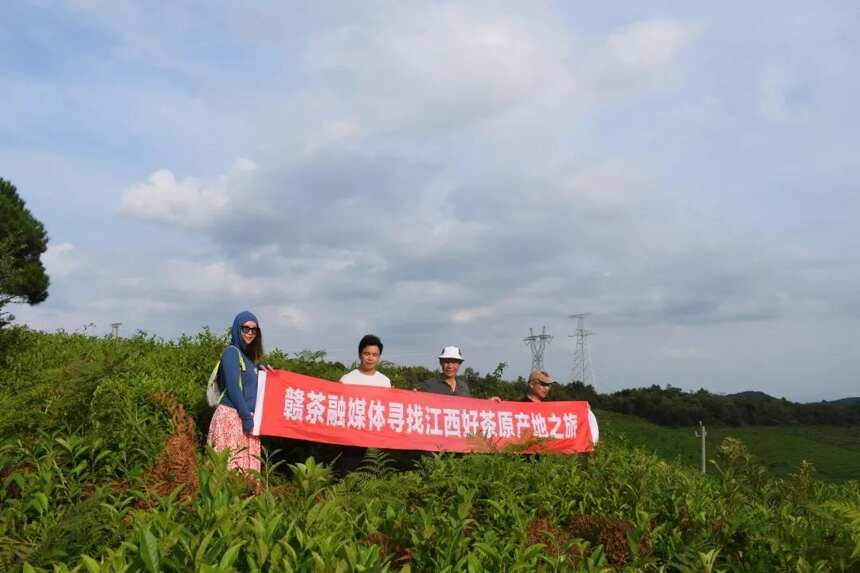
[[236, 333]]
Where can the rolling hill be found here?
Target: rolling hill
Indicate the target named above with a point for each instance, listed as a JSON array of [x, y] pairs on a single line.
[[834, 451]]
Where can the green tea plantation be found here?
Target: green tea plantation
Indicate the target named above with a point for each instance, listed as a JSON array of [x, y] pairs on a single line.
[[103, 468]]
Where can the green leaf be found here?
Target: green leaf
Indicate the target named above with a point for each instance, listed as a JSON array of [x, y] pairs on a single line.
[[91, 565], [230, 555], [19, 479], [201, 549], [40, 502], [148, 551], [487, 550], [474, 565]]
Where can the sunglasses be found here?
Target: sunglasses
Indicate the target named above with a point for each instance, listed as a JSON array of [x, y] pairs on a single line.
[[250, 330], [544, 384]]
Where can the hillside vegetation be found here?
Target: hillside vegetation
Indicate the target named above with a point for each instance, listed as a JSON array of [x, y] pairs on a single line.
[[671, 406], [102, 469], [834, 451]]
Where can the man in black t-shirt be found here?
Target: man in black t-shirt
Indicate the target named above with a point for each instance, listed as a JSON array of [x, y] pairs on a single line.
[[450, 360], [539, 385]]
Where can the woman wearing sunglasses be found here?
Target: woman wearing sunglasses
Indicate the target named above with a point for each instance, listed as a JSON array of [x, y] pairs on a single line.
[[233, 420]]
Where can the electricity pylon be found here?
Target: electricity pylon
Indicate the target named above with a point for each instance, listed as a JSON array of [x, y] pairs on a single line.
[[537, 343], [582, 354]]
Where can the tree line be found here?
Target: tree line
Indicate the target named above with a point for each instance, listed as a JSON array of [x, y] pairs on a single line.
[[671, 406], [666, 406]]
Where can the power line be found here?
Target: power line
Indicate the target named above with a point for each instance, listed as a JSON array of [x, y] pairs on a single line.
[[537, 343]]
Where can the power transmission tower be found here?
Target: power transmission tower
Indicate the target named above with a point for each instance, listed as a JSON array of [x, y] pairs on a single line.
[[114, 327], [537, 343], [582, 354]]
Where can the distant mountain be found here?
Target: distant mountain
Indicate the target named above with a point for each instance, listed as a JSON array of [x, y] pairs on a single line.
[[843, 401], [752, 395], [756, 396]]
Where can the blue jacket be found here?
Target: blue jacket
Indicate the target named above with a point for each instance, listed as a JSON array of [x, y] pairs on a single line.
[[243, 398]]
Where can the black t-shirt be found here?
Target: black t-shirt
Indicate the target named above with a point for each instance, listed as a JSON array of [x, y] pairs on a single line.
[[438, 386]]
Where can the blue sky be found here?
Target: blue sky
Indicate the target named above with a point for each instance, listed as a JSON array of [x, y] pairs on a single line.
[[446, 173]]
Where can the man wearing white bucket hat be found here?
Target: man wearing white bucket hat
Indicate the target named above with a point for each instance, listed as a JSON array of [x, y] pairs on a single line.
[[450, 360]]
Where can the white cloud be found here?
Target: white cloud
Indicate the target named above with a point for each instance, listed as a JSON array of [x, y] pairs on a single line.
[[243, 165], [206, 279], [471, 314], [650, 46], [294, 316], [332, 133], [644, 54], [190, 203], [608, 185], [61, 260], [435, 293], [135, 308], [444, 66]]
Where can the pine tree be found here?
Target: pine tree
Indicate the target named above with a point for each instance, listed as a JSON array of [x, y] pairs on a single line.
[[23, 240]]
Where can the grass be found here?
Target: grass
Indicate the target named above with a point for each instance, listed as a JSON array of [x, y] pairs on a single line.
[[834, 451]]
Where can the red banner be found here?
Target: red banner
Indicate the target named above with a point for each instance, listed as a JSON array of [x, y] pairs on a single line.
[[297, 406]]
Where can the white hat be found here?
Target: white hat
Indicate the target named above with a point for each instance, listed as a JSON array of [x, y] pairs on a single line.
[[451, 352]]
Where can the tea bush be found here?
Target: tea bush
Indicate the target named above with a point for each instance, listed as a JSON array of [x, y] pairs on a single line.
[[102, 469]]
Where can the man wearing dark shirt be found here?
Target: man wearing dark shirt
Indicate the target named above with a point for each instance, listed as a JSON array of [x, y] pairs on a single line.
[[450, 360], [539, 385]]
